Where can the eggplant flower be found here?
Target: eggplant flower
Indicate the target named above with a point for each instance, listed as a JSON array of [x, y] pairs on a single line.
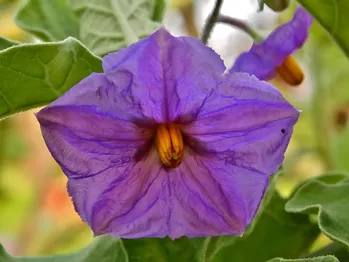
[[273, 55], [164, 143]]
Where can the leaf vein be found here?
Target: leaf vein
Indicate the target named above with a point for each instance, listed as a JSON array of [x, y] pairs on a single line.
[[7, 102]]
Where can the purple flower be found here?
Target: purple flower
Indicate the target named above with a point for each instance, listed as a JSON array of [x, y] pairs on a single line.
[[163, 143], [272, 56]]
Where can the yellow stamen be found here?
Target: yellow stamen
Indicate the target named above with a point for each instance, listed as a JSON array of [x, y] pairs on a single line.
[[290, 71], [169, 143]]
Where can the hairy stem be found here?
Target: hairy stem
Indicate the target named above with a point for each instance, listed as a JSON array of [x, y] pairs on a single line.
[[211, 20]]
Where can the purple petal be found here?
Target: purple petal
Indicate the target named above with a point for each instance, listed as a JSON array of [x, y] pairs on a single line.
[[263, 58], [96, 91], [205, 196], [85, 142], [211, 196], [168, 76], [101, 133], [246, 120], [88, 135], [126, 201], [239, 139]]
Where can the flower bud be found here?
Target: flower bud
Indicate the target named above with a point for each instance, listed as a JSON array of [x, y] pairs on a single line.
[[277, 5]]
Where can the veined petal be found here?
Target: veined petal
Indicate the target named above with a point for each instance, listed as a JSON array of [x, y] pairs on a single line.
[[205, 196], [129, 205], [101, 132], [92, 127], [88, 145], [211, 196], [246, 120], [169, 77], [98, 92], [262, 59]]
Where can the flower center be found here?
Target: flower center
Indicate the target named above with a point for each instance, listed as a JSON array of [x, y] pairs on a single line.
[[290, 71], [169, 144]]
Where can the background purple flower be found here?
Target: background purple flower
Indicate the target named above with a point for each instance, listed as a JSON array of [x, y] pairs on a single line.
[[263, 58], [102, 132]]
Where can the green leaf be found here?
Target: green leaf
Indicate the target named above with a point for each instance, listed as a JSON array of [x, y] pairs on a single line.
[[49, 20], [108, 25], [3, 255], [6, 43], [333, 16], [167, 250], [314, 259], [274, 232], [330, 200], [33, 75]]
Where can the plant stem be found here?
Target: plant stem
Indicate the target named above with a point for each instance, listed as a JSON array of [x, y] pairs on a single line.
[[237, 23], [211, 20]]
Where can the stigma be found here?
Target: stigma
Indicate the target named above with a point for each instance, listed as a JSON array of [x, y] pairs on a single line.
[[290, 71], [169, 144]]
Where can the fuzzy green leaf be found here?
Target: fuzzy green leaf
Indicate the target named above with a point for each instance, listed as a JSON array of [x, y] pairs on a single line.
[[273, 234], [314, 259], [32, 75], [330, 200], [49, 20], [6, 43], [108, 25]]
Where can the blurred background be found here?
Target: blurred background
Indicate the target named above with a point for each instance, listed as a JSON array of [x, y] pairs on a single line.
[[36, 214]]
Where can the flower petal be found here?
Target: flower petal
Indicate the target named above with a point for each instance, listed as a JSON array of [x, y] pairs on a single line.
[[96, 91], [211, 196], [87, 134], [100, 133], [86, 143], [262, 59], [204, 196], [168, 76], [246, 120], [97, 130], [129, 205]]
